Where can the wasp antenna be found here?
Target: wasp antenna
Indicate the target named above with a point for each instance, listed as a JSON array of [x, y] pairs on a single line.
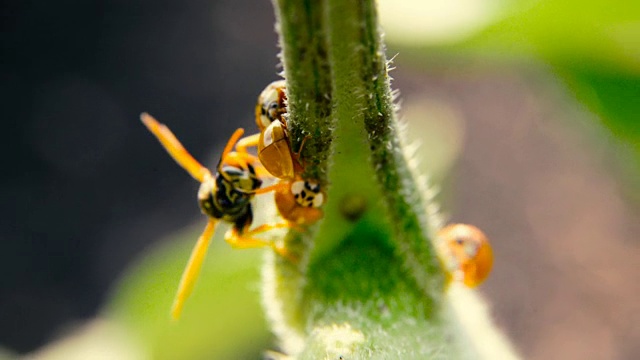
[[192, 271], [174, 147], [148, 120], [230, 144], [232, 141]]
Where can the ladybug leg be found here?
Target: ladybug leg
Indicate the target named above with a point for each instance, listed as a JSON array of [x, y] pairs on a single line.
[[297, 164], [302, 146]]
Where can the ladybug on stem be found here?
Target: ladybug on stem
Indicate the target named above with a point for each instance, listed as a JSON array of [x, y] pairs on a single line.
[[298, 200]]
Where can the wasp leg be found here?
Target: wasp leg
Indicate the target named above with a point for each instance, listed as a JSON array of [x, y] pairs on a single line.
[[266, 227], [191, 272], [261, 171], [248, 158], [244, 143], [241, 148], [282, 185], [174, 147], [244, 240], [255, 161]]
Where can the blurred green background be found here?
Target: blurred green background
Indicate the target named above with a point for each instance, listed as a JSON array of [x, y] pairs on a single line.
[[529, 116]]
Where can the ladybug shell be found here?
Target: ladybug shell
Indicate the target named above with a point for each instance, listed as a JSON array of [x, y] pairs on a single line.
[[466, 251], [274, 151]]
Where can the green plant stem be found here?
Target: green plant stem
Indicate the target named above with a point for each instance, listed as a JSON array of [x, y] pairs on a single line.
[[361, 87], [308, 74], [370, 276]]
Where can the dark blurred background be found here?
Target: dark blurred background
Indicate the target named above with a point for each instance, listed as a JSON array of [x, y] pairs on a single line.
[[85, 187], [87, 190]]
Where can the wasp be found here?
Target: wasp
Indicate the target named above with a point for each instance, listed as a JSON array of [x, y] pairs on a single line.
[[225, 195], [465, 252], [298, 200]]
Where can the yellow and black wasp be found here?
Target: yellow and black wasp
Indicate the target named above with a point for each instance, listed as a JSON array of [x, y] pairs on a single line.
[[225, 195]]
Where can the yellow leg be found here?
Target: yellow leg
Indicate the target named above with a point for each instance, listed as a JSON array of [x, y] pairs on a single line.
[[238, 241], [250, 141], [244, 143], [245, 241], [274, 187], [191, 272], [174, 147], [266, 227], [248, 157], [261, 171], [255, 161]]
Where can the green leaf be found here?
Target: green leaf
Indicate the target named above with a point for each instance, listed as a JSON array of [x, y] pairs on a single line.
[[615, 98], [592, 46], [222, 319]]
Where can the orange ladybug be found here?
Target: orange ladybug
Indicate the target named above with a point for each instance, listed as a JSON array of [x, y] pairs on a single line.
[[465, 252]]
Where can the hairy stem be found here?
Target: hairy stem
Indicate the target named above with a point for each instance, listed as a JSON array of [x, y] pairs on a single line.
[[369, 275], [308, 74]]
